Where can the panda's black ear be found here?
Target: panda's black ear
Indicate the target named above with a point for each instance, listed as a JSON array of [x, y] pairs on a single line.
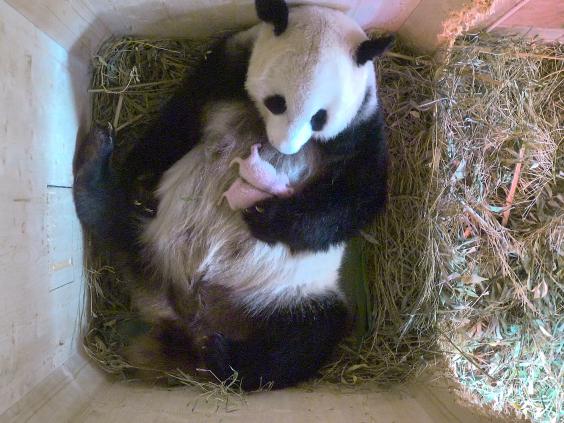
[[274, 12], [369, 49]]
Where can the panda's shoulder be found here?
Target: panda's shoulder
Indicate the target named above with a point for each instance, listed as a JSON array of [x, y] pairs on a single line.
[[222, 71], [359, 134]]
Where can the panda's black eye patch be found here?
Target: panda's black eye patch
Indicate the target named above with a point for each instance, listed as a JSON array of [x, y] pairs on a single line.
[[318, 120], [276, 104]]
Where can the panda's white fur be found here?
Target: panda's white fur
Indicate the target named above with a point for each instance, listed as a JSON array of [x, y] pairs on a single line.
[[197, 237], [311, 65]]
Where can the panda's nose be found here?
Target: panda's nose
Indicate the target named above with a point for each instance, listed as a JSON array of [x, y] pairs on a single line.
[[287, 148], [293, 140]]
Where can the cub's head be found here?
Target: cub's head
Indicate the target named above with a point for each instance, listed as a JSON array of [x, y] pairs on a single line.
[[310, 72]]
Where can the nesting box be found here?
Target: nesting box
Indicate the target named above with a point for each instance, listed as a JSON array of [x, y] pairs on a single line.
[[45, 51]]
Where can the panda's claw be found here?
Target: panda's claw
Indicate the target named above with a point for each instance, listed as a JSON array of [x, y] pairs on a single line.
[[263, 221]]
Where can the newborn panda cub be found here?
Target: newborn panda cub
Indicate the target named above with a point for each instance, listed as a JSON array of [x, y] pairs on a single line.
[[269, 158]]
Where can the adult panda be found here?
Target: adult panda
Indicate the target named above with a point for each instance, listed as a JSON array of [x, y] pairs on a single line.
[[253, 291]]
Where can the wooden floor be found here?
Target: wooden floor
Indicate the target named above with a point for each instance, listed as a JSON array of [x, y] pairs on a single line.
[[142, 404], [80, 393]]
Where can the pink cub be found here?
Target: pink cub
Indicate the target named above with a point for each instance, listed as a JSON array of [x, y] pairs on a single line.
[[257, 181]]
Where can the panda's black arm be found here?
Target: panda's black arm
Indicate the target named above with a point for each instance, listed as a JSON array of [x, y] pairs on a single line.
[[178, 128], [102, 203], [334, 207]]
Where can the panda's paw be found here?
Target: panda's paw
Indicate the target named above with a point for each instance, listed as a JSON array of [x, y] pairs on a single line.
[[217, 356], [265, 221], [104, 140], [100, 142], [96, 147]]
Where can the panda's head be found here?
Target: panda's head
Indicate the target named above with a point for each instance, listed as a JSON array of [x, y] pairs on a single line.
[[310, 72]]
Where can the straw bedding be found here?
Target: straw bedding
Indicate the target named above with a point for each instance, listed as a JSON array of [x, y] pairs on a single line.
[[466, 265], [500, 220]]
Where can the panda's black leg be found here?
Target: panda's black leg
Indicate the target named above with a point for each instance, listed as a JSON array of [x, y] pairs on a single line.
[[290, 346], [172, 135], [102, 203]]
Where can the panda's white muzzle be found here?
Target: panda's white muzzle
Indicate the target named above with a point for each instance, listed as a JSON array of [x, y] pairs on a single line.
[[289, 140]]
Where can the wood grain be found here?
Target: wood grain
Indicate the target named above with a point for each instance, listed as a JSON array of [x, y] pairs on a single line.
[[42, 102]]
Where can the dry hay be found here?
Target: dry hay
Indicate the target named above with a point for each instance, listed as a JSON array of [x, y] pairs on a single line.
[[499, 135], [419, 284]]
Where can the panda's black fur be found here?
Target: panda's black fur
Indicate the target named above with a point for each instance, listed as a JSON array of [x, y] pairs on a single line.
[[284, 345]]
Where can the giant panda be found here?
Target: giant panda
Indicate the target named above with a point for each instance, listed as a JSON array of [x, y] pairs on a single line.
[[253, 291]]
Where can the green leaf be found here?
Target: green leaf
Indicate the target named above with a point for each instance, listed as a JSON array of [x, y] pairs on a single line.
[[355, 284]]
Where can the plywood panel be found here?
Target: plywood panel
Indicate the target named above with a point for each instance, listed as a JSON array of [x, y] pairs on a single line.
[[42, 101], [71, 23], [77, 393], [384, 15], [532, 18], [424, 24], [120, 402], [79, 25], [59, 398], [546, 34], [537, 14], [428, 21], [195, 18]]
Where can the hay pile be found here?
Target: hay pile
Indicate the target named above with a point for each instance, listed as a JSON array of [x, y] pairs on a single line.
[[438, 273], [500, 220]]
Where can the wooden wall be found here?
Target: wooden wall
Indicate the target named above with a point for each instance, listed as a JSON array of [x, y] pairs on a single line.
[[42, 103], [543, 18], [80, 25]]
